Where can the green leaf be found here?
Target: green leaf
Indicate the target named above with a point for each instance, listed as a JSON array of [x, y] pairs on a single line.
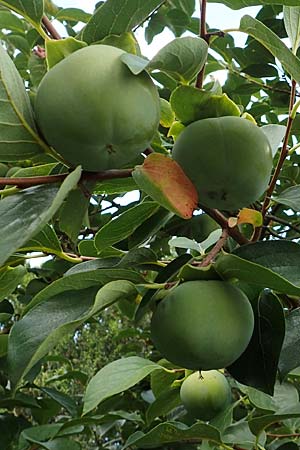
[[167, 115], [3, 344], [117, 17], [115, 186], [74, 210], [32, 10], [167, 401], [10, 21], [18, 135], [238, 4], [182, 58], [62, 399], [191, 104], [83, 280], [257, 366], [24, 214], [171, 432], [44, 326], [273, 43], [57, 50], [291, 18], [289, 359], [240, 434], [275, 134], [273, 264], [124, 225], [45, 241], [167, 273], [290, 197], [9, 280], [125, 41], [258, 424], [116, 377], [73, 15]]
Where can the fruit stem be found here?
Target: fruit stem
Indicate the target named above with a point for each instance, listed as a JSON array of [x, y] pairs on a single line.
[[203, 35], [50, 28]]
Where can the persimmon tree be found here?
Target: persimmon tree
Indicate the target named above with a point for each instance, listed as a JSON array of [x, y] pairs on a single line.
[[122, 234]]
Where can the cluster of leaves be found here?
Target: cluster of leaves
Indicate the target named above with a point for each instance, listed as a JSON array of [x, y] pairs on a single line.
[[65, 381]]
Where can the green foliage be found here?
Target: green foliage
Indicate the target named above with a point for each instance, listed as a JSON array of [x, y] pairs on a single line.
[[78, 366]]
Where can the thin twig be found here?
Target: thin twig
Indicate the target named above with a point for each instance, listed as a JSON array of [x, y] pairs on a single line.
[[24, 182], [50, 28], [215, 250], [283, 154], [203, 35], [223, 221]]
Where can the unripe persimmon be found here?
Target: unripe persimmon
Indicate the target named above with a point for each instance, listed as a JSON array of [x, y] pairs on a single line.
[[94, 111]]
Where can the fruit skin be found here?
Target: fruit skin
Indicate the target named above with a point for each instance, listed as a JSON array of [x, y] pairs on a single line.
[[229, 160], [93, 111], [205, 394], [203, 325]]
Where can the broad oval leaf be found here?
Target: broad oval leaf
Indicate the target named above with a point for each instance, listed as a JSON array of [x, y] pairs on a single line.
[[173, 190], [182, 58], [19, 139], [172, 432], [273, 264], [289, 358], [257, 366], [24, 214], [124, 225], [116, 377], [239, 4], [191, 104], [9, 280], [32, 10], [273, 43], [290, 197], [45, 325], [117, 17], [291, 17]]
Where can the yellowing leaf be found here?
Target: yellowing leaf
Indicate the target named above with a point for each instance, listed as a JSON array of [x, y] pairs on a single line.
[[251, 216]]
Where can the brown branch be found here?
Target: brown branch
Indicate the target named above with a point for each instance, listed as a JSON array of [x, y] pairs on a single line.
[[50, 28], [283, 154], [222, 220], [203, 34], [271, 217], [215, 250], [25, 182]]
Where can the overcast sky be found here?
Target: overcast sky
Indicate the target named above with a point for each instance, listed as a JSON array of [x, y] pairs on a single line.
[[218, 16]]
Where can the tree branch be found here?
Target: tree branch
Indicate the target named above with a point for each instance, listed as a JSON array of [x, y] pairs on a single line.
[[50, 28], [222, 220], [25, 182], [215, 250], [203, 35]]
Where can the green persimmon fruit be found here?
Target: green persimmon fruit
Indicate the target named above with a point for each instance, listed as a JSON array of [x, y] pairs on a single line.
[[229, 160], [94, 111], [202, 325], [205, 394]]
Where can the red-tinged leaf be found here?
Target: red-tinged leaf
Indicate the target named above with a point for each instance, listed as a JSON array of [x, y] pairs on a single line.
[[164, 180]]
